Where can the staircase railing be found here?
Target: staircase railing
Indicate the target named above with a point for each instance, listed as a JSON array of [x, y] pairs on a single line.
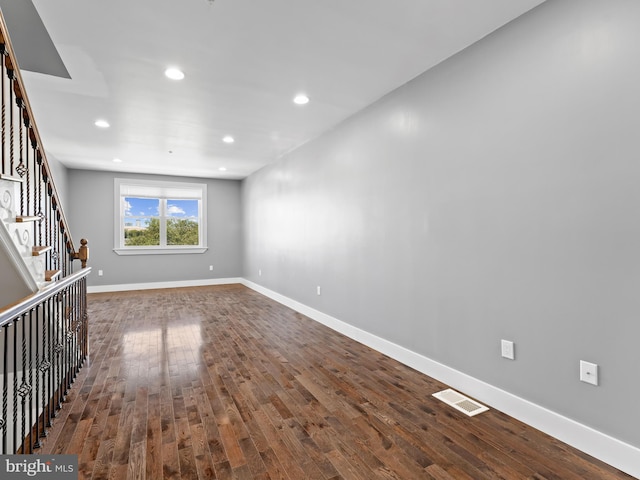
[[43, 344], [24, 161], [43, 337]]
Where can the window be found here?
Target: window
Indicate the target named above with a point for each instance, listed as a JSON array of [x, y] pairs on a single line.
[[159, 217]]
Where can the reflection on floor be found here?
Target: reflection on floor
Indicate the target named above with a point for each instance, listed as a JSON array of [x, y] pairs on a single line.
[[221, 382]]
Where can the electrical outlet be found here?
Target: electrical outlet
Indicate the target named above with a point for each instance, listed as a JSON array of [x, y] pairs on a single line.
[[210, 268], [100, 273], [508, 349], [589, 372], [318, 291]]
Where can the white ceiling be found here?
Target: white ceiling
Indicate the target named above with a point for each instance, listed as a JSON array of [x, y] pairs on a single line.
[[244, 61]]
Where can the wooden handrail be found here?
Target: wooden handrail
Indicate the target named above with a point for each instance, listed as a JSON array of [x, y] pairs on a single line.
[[10, 312], [12, 63]]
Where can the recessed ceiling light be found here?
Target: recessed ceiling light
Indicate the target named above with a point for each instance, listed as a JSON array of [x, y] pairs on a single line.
[[223, 169], [301, 99], [117, 160], [174, 73], [228, 139], [101, 124]]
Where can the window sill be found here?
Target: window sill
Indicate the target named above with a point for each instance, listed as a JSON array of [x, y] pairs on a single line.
[[159, 250]]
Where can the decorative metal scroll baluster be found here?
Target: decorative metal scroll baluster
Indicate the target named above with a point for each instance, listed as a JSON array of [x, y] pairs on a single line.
[[3, 73], [10, 117], [15, 381], [38, 350], [38, 174], [24, 388], [32, 314], [48, 228], [51, 358], [45, 368], [4, 418]]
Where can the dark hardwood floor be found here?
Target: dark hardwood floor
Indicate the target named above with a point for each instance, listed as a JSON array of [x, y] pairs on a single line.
[[222, 382]]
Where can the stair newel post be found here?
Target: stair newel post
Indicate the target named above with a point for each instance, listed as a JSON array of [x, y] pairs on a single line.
[[83, 252]]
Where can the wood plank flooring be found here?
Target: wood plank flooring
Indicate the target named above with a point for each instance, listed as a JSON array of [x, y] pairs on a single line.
[[223, 383]]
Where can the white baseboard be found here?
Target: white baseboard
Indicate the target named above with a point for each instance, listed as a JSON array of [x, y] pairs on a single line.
[[153, 285], [610, 450]]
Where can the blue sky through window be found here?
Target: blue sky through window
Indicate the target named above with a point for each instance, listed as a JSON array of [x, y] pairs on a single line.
[[182, 208], [141, 207], [138, 211], [150, 207]]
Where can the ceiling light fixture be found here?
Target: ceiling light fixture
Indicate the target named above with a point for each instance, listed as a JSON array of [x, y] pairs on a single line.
[[174, 73], [117, 160], [101, 124], [301, 99], [228, 139], [223, 169]]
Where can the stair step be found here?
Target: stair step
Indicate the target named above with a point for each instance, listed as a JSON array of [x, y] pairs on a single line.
[[26, 218], [4, 176], [51, 275], [37, 251]]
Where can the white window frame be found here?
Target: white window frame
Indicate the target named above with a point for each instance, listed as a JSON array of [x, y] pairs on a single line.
[[130, 187]]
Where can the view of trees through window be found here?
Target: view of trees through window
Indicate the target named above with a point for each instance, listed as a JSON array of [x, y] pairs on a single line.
[[144, 217]]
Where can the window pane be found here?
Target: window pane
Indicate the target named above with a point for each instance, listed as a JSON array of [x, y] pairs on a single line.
[[141, 223], [141, 231], [182, 231], [183, 208], [144, 207], [182, 222]]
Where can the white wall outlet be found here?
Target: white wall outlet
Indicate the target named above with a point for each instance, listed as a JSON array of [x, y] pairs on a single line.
[[210, 268], [318, 290], [100, 273], [508, 349], [259, 273], [589, 372]]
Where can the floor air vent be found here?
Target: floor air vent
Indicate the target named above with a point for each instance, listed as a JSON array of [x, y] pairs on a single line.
[[460, 402]]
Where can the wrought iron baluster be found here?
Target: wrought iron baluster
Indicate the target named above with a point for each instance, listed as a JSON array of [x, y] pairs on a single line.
[[50, 352], [4, 420], [37, 162], [24, 389], [36, 395], [3, 74], [15, 385], [59, 354], [32, 314], [11, 77]]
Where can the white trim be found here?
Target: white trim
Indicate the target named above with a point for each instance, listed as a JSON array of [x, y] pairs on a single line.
[[162, 190], [123, 287], [159, 250], [610, 450], [7, 244]]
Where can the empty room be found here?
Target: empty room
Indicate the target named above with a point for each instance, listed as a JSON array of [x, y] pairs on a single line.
[[320, 240]]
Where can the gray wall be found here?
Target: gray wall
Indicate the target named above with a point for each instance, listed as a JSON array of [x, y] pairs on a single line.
[[91, 213], [60, 175], [492, 197]]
